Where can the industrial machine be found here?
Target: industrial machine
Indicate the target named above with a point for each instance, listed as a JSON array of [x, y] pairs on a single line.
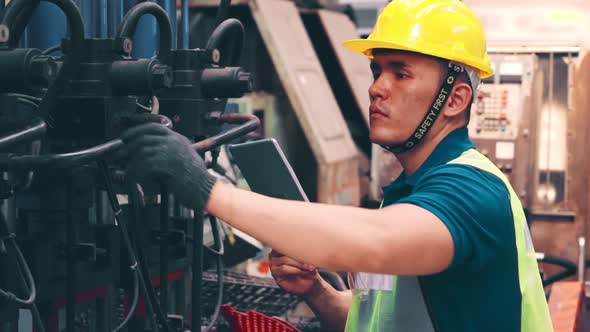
[[88, 249]]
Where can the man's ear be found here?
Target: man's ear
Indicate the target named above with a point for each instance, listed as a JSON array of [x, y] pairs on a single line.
[[459, 99]]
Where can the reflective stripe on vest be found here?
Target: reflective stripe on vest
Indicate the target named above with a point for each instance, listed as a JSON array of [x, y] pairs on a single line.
[[390, 303]]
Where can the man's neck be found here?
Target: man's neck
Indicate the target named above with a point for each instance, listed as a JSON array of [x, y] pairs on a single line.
[[413, 159]]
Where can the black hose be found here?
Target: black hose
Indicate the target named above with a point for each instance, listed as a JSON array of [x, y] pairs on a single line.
[[18, 14], [38, 128], [557, 277], [156, 109], [129, 24], [67, 160], [52, 49], [71, 261], [28, 102], [133, 304], [137, 262], [164, 223], [219, 303], [230, 30], [555, 260], [136, 203], [334, 279], [249, 122], [34, 310], [143, 107], [570, 268], [22, 96], [215, 226], [222, 11], [150, 292], [21, 264], [10, 297], [6, 235], [197, 271], [64, 160], [219, 243]]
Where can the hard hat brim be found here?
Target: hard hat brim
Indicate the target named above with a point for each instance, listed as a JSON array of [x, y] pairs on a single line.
[[364, 46]]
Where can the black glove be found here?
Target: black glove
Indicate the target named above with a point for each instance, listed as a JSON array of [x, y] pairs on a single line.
[[157, 153]]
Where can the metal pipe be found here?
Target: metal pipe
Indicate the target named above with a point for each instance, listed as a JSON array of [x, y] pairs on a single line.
[[582, 258], [71, 275], [549, 125], [197, 271], [94, 13], [250, 124], [164, 221], [185, 32], [102, 26], [37, 129], [115, 14]]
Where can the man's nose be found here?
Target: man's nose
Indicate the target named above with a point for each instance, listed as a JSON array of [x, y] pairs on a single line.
[[377, 90]]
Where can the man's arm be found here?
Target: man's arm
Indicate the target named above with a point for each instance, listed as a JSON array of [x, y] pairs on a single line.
[[401, 239], [329, 305]]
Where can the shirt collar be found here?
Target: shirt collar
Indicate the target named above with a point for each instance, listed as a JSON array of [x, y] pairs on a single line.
[[448, 149]]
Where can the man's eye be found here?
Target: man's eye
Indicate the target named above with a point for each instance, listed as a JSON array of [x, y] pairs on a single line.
[[376, 75], [401, 76]]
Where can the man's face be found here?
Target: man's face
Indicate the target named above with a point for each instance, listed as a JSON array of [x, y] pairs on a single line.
[[404, 87]]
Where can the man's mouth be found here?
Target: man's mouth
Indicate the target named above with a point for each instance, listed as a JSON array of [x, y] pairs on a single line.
[[376, 113]]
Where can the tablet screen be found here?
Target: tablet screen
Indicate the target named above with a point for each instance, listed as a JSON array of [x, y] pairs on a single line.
[[266, 169]]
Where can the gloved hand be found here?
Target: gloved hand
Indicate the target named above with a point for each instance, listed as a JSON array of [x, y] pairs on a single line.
[[154, 152]]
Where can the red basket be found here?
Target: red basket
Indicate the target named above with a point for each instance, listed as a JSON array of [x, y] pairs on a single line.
[[253, 321]]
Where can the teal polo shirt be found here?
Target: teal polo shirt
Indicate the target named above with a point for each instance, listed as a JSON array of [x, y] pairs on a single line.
[[479, 291]]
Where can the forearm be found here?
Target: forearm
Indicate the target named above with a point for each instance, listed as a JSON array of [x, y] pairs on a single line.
[[337, 238], [330, 306]]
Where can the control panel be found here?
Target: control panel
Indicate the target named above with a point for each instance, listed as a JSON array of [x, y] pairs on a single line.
[[502, 118], [496, 112]]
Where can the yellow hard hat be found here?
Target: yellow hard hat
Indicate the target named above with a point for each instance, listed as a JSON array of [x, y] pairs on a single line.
[[446, 29]]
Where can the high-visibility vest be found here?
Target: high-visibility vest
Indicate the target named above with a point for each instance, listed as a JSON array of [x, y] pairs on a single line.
[[395, 303]]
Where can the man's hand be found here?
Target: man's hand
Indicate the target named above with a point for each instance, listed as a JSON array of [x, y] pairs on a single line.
[[330, 306], [157, 153], [294, 277]]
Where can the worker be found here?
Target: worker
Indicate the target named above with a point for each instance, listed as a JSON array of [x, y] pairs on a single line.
[[449, 250]]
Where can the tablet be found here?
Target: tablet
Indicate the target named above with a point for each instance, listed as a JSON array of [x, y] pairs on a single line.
[[266, 169]]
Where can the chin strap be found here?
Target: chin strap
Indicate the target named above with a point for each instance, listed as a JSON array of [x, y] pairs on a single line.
[[438, 104]]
